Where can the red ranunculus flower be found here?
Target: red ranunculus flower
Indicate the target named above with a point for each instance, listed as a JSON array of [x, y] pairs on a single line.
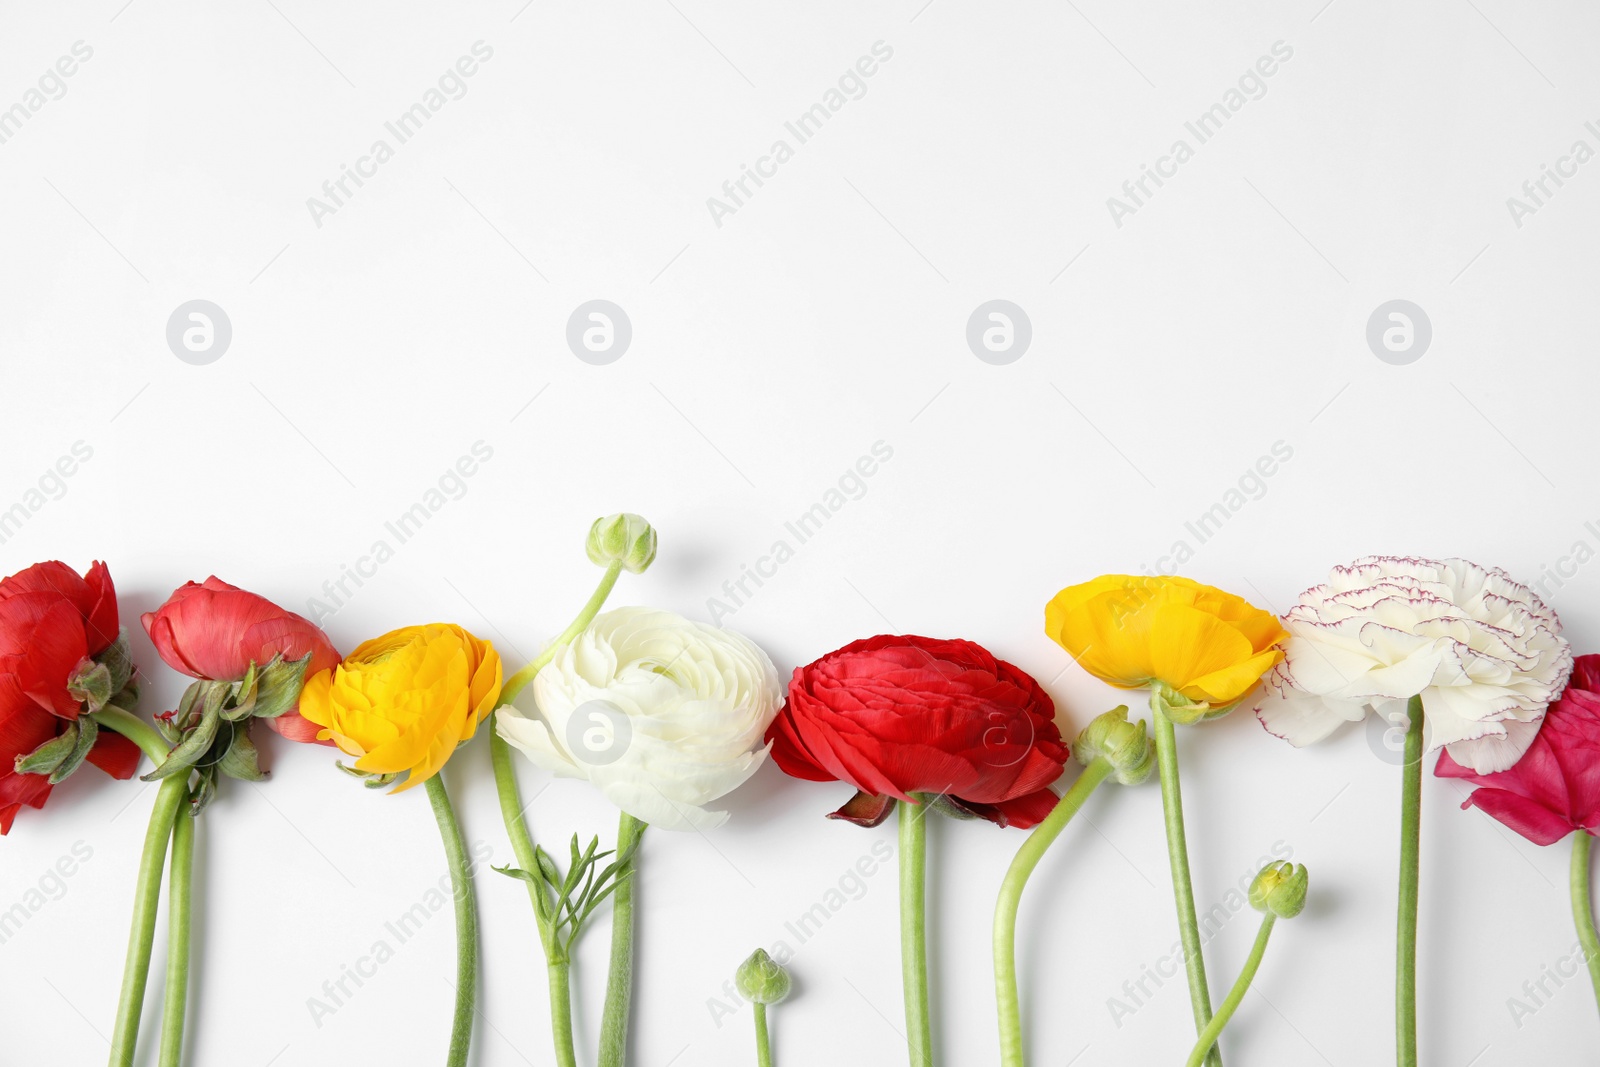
[[894, 716], [214, 631], [1554, 788], [51, 620]]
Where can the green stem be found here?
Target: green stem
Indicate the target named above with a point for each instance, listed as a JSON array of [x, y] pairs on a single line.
[[558, 968], [619, 985], [1182, 887], [1005, 912], [516, 682], [763, 1045], [146, 895], [1405, 984], [175, 1001], [455, 850], [1583, 908], [134, 729], [1208, 1036], [914, 931]]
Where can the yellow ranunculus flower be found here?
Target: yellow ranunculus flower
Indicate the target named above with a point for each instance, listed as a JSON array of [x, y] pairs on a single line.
[[1134, 631], [404, 701]]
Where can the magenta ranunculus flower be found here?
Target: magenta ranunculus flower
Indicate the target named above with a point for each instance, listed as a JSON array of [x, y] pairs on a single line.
[[1554, 788]]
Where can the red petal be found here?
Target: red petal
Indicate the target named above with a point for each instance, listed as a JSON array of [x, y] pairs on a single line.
[[295, 727], [41, 642], [115, 754], [1533, 821]]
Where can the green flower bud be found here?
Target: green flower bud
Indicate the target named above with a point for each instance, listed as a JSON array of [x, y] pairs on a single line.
[[761, 980], [1281, 889], [623, 537], [1123, 744]]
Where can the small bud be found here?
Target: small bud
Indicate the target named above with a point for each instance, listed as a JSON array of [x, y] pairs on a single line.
[[1123, 744], [1281, 889], [761, 980], [624, 537]]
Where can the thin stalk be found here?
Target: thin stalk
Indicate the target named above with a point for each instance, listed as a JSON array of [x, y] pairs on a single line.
[[1583, 908], [175, 1000], [763, 1044], [1182, 887], [558, 967], [455, 850], [134, 729], [146, 896], [1208, 1036], [914, 931], [1005, 912], [515, 683], [1405, 983], [619, 984]]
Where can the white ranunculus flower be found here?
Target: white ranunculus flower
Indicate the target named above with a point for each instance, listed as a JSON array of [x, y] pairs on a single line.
[[662, 714], [1485, 654]]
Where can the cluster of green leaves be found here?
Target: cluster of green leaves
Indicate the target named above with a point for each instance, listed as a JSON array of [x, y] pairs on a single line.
[[565, 901]]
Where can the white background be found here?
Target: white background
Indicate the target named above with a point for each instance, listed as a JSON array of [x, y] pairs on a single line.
[[826, 314]]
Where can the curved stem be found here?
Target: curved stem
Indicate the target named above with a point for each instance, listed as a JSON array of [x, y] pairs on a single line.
[[516, 682], [146, 896], [175, 1000], [455, 850], [914, 931], [1182, 887], [619, 985], [1405, 981], [1005, 911], [763, 1044], [134, 729], [1208, 1036], [1583, 908]]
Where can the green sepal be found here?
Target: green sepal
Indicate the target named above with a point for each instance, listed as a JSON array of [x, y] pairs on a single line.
[[196, 741], [277, 687], [243, 704], [204, 791], [90, 683], [87, 732], [118, 660], [50, 755], [240, 761]]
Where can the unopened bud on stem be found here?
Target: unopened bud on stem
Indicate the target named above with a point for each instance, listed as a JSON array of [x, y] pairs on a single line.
[[1123, 744], [1280, 888], [625, 538]]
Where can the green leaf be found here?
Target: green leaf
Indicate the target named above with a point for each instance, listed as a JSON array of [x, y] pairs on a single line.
[[118, 662], [87, 732]]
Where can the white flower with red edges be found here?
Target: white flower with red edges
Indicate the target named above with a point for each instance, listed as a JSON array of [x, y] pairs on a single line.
[[1485, 655]]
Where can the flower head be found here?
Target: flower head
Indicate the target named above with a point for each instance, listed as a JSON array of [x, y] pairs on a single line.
[[1280, 888], [899, 717], [401, 703], [1554, 789], [662, 714], [1198, 648], [60, 655], [761, 980], [215, 632], [1484, 654]]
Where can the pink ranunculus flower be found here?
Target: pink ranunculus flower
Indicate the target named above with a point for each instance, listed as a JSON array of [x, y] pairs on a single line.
[[214, 631], [1554, 788]]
